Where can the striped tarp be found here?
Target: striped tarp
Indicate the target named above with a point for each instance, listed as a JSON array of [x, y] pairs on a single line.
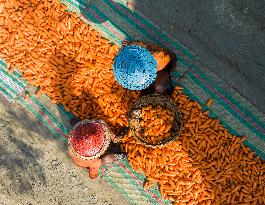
[[117, 23], [54, 117]]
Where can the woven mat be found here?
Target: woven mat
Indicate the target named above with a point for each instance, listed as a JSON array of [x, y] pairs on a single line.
[[117, 23]]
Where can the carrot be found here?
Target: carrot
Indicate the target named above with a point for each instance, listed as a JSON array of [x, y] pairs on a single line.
[[216, 125], [156, 122], [72, 64], [80, 62], [147, 184], [243, 139], [209, 102], [213, 161]]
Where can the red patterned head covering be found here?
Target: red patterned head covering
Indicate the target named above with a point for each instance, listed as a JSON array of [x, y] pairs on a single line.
[[89, 139]]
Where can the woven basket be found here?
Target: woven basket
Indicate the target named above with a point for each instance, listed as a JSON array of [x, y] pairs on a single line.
[[135, 118]]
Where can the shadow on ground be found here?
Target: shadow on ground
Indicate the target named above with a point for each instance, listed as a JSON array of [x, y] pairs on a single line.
[[20, 169], [19, 166]]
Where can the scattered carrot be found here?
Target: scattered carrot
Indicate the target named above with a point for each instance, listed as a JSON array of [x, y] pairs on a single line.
[[209, 102], [205, 165], [67, 59], [72, 63]]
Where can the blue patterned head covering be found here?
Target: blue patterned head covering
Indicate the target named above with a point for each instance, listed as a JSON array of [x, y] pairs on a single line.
[[135, 68]]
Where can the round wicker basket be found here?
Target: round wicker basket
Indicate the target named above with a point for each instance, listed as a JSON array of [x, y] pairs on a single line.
[[135, 118]]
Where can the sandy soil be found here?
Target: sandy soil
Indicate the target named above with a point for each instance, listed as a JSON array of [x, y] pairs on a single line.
[[34, 168]]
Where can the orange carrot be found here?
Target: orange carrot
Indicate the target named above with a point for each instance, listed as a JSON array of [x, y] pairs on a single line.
[[209, 102], [72, 64]]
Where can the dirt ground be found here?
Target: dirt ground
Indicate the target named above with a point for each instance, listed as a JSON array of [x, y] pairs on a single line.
[[35, 169]]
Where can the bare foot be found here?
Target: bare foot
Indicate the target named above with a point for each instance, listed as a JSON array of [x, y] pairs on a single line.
[[93, 169]]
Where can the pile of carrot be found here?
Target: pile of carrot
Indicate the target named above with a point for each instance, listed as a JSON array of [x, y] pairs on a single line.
[[205, 165], [71, 63], [156, 122], [67, 59]]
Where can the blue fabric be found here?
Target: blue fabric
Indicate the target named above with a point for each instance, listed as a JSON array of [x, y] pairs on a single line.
[[135, 68]]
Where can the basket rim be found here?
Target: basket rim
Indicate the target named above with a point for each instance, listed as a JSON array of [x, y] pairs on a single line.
[[164, 101]]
